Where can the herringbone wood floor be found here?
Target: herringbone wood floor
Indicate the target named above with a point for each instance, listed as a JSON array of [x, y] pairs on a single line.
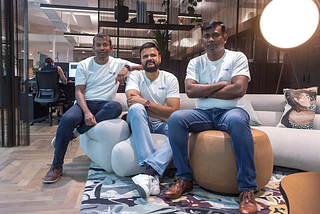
[[22, 170]]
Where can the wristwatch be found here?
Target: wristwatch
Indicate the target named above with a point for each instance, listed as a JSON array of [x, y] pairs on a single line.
[[127, 66], [147, 104]]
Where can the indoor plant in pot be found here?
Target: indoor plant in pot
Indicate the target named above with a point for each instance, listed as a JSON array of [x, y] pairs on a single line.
[[191, 9], [121, 12], [161, 38]]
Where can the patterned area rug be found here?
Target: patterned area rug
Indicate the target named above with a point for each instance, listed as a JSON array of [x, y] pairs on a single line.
[[108, 193]]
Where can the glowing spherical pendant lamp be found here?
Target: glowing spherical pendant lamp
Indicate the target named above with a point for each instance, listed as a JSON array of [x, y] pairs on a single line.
[[287, 24]]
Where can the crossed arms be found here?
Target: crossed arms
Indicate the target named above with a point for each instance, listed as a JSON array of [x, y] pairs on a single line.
[[220, 90], [155, 110]]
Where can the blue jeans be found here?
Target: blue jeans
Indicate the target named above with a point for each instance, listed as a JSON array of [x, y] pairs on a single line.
[[74, 117], [234, 121], [142, 128]]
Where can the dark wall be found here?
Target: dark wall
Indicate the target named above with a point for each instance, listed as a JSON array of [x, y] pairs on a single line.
[[265, 63]]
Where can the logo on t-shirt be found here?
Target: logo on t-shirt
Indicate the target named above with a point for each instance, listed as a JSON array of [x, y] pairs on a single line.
[[161, 88], [226, 69], [113, 73]]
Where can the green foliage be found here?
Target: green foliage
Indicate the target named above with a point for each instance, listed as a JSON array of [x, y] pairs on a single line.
[[121, 2], [160, 38], [165, 2], [190, 9]]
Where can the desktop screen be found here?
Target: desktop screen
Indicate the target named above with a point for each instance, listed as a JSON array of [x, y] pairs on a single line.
[[72, 69]]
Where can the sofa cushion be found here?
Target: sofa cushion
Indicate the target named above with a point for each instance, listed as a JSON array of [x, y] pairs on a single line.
[[254, 120], [316, 124], [300, 108], [269, 118], [124, 156], [294, 148], [266, 102]]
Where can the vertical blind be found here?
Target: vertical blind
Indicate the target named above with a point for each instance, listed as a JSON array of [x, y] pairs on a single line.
[[13, 130]]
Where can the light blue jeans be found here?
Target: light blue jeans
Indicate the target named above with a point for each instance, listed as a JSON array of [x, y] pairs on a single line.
[[142, 128], [234, 121]]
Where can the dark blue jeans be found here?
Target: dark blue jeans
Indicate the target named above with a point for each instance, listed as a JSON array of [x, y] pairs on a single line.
[[102, 110], [234, 121]]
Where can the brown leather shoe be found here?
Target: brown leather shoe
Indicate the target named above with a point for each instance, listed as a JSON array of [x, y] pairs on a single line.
[[248, 203], [176, 190], [53, 174]]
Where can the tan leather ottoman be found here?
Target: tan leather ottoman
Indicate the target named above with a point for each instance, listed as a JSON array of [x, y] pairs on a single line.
[[213, 161]]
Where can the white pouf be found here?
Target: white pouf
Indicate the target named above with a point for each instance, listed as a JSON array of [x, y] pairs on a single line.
[[124, 157], [99, 141]]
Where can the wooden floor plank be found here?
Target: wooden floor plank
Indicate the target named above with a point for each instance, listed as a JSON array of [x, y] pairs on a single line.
[[22, 170]]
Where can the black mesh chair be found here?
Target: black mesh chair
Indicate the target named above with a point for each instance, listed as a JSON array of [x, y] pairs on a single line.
[[48, 91]]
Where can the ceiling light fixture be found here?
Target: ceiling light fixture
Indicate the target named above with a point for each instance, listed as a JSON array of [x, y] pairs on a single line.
[[105, 10], [82, 48], [72, 8]]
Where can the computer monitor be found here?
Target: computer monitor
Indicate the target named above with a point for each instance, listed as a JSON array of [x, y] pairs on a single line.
[[72, 69]]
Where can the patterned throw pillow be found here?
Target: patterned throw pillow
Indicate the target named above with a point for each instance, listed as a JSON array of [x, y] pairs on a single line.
[[300, 109]]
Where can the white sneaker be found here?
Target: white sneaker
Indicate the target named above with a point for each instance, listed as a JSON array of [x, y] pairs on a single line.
[[147, 185], [53, 142]]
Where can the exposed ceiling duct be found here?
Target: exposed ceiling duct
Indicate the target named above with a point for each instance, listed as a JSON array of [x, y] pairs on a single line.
[[56, 20], [71, 40]]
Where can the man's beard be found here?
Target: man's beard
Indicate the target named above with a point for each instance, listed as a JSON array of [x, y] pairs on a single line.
[[151, 69]]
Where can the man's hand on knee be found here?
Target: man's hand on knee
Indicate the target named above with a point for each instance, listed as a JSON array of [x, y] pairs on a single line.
[[90, 120]]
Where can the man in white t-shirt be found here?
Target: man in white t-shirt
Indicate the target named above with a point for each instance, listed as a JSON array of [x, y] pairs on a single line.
[[219, 80], [152, 95], [97, 81]]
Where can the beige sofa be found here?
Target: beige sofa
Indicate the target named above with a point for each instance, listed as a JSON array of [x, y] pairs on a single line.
[[292, 148], [109, 143]]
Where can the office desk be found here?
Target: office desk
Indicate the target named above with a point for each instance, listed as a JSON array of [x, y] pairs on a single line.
[[69, 90], [38, 112]]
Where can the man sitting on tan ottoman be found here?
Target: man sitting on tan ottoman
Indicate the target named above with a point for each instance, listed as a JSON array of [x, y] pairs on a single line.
[[219, 80]]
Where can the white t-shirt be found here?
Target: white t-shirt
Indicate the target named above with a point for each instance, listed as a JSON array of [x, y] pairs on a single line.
[[165, 86], [204, 71], [100, 80]]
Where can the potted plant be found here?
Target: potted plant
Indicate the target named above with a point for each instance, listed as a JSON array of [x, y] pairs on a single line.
[[121, 12], [192, 4], [161, 38], [191, 9]]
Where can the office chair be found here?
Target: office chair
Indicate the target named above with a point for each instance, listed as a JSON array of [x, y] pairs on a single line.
[[48, 90]]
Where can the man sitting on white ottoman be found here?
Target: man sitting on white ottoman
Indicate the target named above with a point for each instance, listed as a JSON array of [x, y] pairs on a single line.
[[152, 95]]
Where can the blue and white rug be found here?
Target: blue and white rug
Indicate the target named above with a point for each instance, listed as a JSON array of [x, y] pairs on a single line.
[[108, 193]]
